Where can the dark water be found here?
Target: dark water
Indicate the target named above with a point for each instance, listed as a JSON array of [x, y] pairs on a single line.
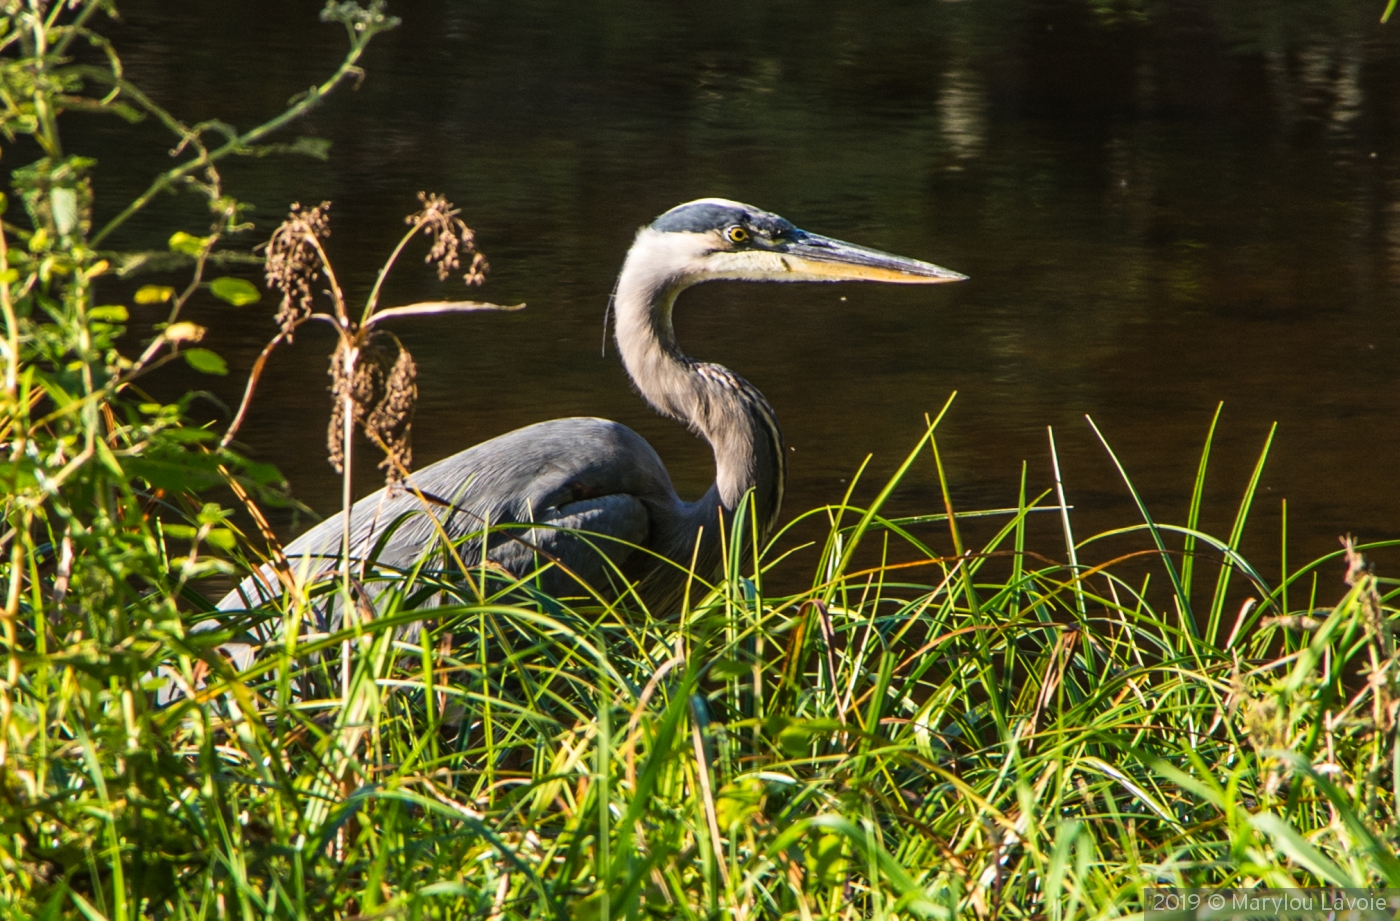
[[1162, 205]]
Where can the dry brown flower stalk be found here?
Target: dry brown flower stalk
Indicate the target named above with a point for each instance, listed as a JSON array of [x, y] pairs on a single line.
[[452, 239], [294, 259], [382, 390], [373, 377]]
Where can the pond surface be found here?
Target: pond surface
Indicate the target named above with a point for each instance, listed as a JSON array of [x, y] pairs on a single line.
[[1161, 205]]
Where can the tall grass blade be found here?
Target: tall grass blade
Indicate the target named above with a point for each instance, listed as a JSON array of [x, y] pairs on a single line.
[[853, 540], [1070, 548], [1193, 516], [1222, 582], [968, 590], [1188, 621], [1287, 840]]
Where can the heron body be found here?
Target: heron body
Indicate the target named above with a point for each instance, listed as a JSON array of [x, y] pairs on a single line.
[[591, 496]]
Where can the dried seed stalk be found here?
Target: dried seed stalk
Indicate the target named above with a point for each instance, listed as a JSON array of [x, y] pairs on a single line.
[[294, 260], [452, 239], [373, 377], [381, 390]]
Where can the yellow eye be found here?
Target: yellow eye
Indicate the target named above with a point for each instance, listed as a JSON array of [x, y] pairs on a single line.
[[737, 234]]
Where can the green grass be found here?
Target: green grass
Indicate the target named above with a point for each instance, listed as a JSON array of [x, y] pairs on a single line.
[[931, 727], [992, 733]]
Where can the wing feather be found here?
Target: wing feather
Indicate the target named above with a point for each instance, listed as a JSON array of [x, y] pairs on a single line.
[[584, 474]]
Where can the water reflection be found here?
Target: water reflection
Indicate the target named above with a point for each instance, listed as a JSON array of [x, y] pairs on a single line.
[[961, 108], [1162, 205]]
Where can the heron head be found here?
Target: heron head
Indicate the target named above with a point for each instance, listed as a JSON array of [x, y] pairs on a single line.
[[714, 238]]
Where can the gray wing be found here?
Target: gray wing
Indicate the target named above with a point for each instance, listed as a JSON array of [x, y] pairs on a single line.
[[554, 478], [580, 474]]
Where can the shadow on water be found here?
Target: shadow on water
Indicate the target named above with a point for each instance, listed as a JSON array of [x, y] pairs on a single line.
[[1161, 204]]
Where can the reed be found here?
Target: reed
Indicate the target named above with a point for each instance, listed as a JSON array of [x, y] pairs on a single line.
[[991, 733]]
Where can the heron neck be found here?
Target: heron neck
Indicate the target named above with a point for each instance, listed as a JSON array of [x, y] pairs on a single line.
[[716, 404]]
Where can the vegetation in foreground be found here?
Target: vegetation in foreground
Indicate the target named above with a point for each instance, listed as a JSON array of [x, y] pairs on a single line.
[[1001, 731], [1041, 743]]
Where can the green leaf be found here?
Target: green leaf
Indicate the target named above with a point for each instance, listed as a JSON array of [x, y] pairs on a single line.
[[175, 471], [588, 908], [212, 513], [722, 669], [187, 243], [826, 858], [64, 203], [222, 538], [236, 291], [737, 801], [154, 294], [316, 148], [108, 313], [797, 736], [205, 361], [189, 436], [1288, 840]]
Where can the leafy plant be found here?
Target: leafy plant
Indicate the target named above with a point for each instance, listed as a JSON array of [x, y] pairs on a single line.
[[984, 733], [93, 468]]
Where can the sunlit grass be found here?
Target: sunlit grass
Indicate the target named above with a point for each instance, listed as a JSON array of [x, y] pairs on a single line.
[[997, 732]]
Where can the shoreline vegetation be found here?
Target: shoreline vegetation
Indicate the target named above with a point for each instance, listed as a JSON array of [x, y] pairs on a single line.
[[1009, 730]]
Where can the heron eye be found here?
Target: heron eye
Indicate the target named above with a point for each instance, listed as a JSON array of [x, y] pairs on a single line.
[[737, 234]]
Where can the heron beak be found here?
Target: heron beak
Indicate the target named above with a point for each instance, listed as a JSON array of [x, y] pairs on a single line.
[[821, 258]]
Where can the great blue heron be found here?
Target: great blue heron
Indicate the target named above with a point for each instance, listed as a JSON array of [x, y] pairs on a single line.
[[592, 496]]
